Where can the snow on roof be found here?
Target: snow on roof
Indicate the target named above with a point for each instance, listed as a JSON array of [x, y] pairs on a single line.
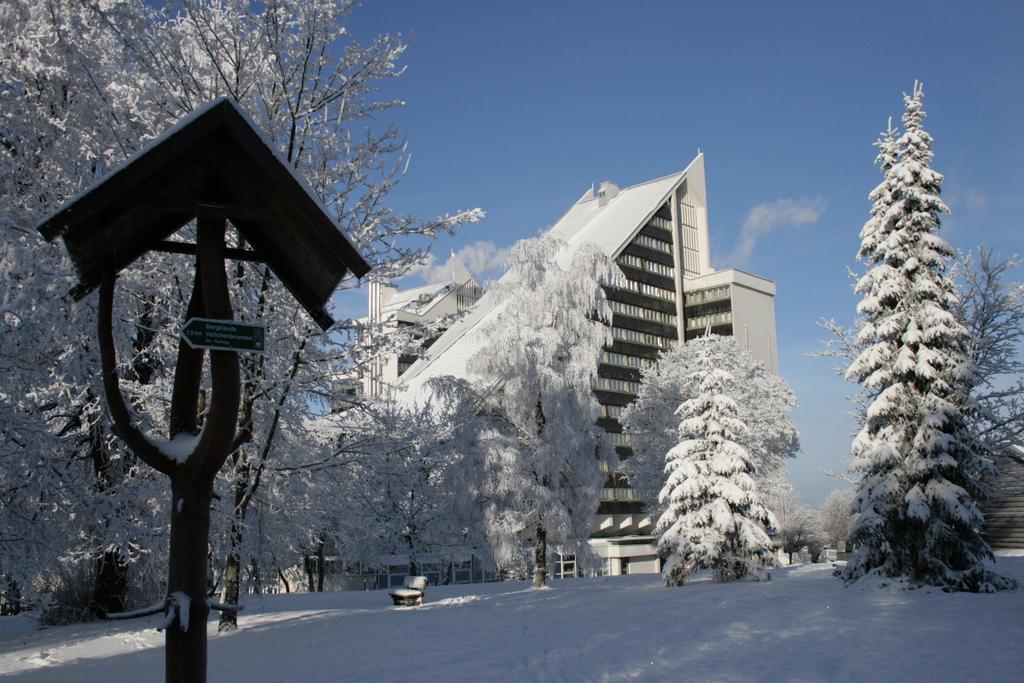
[[410, 297], [173, 130], [434, 292], [611, 227]]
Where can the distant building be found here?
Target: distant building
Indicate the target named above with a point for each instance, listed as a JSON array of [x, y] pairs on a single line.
[[427, 306], [657, 232], [1004, 511]]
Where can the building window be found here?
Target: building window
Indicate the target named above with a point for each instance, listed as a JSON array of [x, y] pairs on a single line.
[[659, 222], [652, 243], [622, 440], [712, 320], [649, 290], [612, 411], [644, 264], [627, 361], [612, 495], [642, 312], [691, 238], [644, 338], [707, 295], [617, 385]]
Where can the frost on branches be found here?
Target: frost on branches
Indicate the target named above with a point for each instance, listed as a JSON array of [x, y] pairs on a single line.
[[993, 312], [86, 85], [539, 452], [398, 467], [917, 460], [713, 517]]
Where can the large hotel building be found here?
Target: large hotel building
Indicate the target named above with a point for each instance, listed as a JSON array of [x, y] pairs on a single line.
[[657, 232]]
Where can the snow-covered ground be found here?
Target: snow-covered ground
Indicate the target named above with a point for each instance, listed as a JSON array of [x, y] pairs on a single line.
[[801, 626]]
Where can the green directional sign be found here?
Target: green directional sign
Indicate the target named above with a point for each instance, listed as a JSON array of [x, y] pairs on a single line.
[[223, 335]]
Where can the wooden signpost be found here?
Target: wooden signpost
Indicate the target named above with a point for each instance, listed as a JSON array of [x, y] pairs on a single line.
[[214, 168]]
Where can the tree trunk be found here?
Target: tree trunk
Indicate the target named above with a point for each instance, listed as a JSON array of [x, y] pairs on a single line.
[[111, 585], [257, 580], [186, 582], [110, 589], [320, 566], [307, 564], [229, 617], [540, 558], [233, 562], [284, 580]]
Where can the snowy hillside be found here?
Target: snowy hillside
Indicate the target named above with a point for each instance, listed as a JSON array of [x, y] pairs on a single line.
[[801, 626]]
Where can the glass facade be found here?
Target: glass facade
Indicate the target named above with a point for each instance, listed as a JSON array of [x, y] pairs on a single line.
[[645, 312], [644, 323]]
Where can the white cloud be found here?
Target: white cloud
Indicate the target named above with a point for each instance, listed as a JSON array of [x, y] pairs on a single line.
[[484, 259], [768, 217], [971, 202]]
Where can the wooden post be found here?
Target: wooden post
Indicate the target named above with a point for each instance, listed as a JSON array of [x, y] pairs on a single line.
[[191, 478]]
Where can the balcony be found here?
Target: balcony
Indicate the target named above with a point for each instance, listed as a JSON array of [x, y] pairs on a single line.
[[618, 494], [707, 296], [714, 320]]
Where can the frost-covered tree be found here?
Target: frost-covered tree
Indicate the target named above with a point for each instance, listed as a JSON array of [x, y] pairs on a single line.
[[917, 460], [837, 517], [797, 526], [992, 310], [62, 472], [993, 313], [713, 517], [398, 466], [535, 470], [84, 86], [763, 400]]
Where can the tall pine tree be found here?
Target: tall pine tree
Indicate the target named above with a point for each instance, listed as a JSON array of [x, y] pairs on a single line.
[[918, 464], [713, 517]]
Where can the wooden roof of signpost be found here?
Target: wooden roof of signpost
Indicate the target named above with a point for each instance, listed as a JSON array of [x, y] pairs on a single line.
[[216, 158]]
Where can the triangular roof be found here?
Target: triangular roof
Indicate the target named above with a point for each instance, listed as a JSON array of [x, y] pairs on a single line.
[[611, 227], [215, 156]]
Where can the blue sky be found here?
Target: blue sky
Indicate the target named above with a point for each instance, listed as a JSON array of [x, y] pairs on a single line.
[[518, 107]]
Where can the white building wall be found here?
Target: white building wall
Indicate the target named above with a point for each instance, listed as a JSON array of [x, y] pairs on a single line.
[[753, 313]]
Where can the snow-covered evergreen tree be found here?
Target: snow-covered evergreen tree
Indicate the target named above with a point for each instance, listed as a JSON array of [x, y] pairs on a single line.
[[918, 463], [713, 517], [763, 400], [536, 469]]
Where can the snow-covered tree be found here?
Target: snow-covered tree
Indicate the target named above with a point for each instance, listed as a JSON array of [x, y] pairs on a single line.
[[85, 85], [917, 460], [397, 465], [713, 517], [763, 401], [993, 313], [837, 517], [797, 526], [535, 470]]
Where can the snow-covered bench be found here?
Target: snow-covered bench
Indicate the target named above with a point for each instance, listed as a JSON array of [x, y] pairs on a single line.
[[412, 594]]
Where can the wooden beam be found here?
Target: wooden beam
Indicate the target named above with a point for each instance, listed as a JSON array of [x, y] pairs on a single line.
[[190, 206], [189, 249]]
